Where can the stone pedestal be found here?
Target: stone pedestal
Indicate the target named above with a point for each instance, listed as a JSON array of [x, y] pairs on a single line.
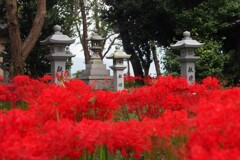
[[97, 75], [187, 57], [58, 57]]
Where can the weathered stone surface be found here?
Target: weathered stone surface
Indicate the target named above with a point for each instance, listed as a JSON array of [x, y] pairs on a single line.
[[57, 56], [187, 57], [96, 73], [118, 56]]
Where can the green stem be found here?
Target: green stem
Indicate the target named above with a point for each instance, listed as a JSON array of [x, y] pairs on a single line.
[[139, 115], [103, 153], [58, 115]]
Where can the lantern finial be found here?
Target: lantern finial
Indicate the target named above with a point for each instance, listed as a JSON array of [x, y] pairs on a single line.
[[186, 35], [57, 28]]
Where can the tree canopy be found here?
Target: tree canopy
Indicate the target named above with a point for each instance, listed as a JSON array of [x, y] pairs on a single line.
[[164, 21], [34, 63], [142, 22], [212, 22]]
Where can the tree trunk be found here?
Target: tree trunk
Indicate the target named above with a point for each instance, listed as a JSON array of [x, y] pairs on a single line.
[[95, 15], [137, 68], [237, 80], [155, 59], [85, 30], [19, 51], [138, 53], [14, 36], [97, 24]]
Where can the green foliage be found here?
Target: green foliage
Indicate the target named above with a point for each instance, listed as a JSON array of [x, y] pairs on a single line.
[[210, 22], [170, 63], [138, 23], [5, 105], [209, 17], [8, 106], [142, 19], [77, 74], [211, 62], [133, 84], [231, 70]]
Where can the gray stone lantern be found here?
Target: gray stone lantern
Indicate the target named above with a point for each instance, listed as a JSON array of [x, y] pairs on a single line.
[[118, 56], [5, 66], [96, 47], [58, 57], [96, 73], [187, 57]]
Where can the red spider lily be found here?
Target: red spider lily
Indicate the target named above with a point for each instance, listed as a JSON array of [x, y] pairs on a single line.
[[129, 78], [22, 88], [211, 83], [62, 77], [174, 119], [46, 79], [217, 127], [149, 80]]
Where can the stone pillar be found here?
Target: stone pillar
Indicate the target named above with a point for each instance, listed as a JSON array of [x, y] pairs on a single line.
[[58, 57], [118, 67], [4, 67], [96, 73], [187, 57], [3, 39]]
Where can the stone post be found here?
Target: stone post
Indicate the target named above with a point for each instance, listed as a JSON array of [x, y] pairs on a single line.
[[187, 57], [58, 57], [118, 67], [3, 40]]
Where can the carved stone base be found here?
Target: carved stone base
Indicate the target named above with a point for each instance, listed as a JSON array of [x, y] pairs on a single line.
[[98, 76]]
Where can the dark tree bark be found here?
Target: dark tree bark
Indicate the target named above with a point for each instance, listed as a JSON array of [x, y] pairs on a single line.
[[155, 59], [84, 30], [19, 50], [14, 36], [237, 80], [137, 68]]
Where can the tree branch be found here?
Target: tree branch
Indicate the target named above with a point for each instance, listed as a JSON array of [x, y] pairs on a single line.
[[109, 47], [13, 27], [36, 29]]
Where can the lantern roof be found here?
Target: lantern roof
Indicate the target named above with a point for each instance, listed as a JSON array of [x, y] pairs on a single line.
[[96, 37], [57, 38], [118, 54], [186, 42]]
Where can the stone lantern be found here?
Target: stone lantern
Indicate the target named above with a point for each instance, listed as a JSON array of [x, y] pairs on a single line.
[[96, 73], [3, 39], [96, 47], [187, 58], [118, 56], [58, 57]]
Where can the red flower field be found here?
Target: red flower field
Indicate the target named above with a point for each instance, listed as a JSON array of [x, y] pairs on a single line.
[[167, 119]]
